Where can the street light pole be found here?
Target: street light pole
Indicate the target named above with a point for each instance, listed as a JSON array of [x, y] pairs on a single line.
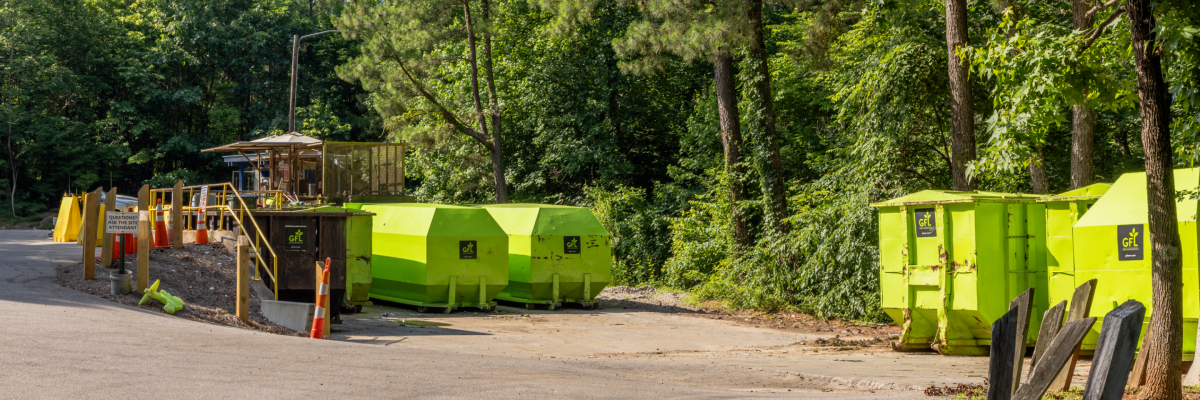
[[295, 57]]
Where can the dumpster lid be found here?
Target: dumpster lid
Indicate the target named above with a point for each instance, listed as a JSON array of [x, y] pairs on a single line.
[[1125, 203], [1092, 191], [545, 219], [433, 220], [950, 196], [326, 210]]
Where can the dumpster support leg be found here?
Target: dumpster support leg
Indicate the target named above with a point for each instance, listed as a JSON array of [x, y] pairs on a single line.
[[587, 287], [483, 293], [453, 286], [555, 291]]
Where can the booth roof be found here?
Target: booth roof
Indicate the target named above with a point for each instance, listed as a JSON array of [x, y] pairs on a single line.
[[287, 140]]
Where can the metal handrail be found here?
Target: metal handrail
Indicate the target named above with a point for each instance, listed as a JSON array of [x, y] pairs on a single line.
[[222, 205]]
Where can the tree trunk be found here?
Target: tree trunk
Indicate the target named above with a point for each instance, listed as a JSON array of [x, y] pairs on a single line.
[[962, 114], [761, 121], [497, 157], [731, 140], [494, 107], [1082, 141], [1037, 172], [1165, 336], [1083, 120]]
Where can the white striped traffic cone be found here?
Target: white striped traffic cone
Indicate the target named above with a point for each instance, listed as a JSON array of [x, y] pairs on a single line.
[[318, 325], [160, 228], [202, 229]]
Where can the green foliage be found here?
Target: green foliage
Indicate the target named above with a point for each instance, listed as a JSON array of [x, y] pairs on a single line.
[[1039, 70], [168, 179], [638, 231]]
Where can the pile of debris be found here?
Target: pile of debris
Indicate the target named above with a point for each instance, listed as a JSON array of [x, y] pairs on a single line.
[[204, 276]]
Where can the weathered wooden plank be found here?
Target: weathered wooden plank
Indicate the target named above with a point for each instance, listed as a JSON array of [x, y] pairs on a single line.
[[1060, 350], [1000, 365], [1081, 304], [1023, 304], [1114, 352], [1052, 321]]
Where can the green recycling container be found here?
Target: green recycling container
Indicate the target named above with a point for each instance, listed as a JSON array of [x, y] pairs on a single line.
[[433, 255], [1112, 245], [556, 254], [950, 263], [1057, 268]]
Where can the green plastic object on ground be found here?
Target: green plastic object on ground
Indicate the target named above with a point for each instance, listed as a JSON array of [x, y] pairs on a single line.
[[171, 304], [1112, 245], [358, 252], [556, 254], [952, 261], [433, 255]]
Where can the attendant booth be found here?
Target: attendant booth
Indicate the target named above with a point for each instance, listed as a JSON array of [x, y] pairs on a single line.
[[313, 171]]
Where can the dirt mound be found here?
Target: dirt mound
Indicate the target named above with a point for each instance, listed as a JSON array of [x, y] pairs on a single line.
[[204, 276], [645, 298]]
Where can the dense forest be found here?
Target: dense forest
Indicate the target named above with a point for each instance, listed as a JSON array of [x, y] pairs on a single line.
[[731, 147]]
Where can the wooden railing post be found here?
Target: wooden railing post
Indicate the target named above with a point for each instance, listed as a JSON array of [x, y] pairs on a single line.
[[243, 278]]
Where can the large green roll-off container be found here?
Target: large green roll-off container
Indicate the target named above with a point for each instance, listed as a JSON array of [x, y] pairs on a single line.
[[556, 254], [433, 255], [1112, 245], [951, 262], [1063, 210]]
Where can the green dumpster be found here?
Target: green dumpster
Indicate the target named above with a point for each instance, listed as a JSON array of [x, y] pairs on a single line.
[[951, 262], [1112, 245], [556, 254], [432, 255], [1062, 211]]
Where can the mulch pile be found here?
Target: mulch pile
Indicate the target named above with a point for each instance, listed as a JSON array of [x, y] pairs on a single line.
[[204, 276]]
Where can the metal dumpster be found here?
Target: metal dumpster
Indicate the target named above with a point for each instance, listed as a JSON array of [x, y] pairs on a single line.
[[433, 255], [1056, 264], [302, 238], [556, 254], [951, 262], [1112, 245]]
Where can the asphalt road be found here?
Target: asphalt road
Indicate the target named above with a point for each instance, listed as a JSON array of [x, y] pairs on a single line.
[[59, 343]]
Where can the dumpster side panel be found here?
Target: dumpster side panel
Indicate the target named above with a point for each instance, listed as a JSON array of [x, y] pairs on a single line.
[[398, 265], [520, 253], [358, 258], [491, 262], [893, 258]]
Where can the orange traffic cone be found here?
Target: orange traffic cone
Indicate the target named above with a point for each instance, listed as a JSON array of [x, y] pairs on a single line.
[[161, 238], [130, 244], [202, 229], [318, 325]]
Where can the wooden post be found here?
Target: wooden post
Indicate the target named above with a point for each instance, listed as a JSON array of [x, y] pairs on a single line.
[[1114, 352], [1004, 348], [1051, 323], [143, 246], [1081, 304], [91, 209], [243, 278], [1024, 306], [106, 243], [177, 215], [1061, 349]]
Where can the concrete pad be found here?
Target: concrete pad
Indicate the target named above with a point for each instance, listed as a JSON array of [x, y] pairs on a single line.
[[291, 315]]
